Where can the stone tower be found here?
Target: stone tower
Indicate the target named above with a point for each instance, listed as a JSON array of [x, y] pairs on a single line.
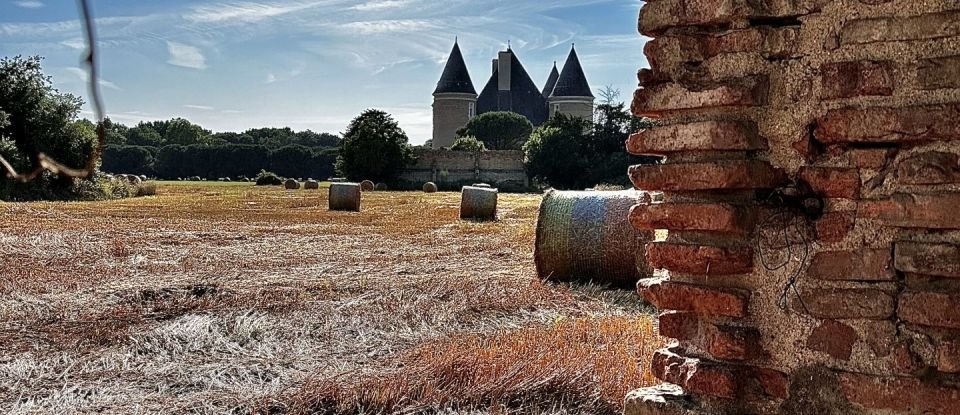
[[571, 95], [454, 100]]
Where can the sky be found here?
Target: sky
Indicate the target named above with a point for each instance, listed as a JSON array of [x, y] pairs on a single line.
[[311, 64]]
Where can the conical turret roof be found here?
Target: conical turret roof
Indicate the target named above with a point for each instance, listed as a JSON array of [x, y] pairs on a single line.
[[455, 78], [551, 81], [572, 81]]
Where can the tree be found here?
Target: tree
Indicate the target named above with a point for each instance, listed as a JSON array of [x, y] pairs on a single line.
[[144, 135], [374, 147], [128, 160], [40, 119], [468, 144], [499, 130], [183, 132], [291, 161], [556, 152]]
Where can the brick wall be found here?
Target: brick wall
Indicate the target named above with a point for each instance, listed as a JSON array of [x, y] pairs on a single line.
[[765, 109]]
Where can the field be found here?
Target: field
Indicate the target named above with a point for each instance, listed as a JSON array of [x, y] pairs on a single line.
[[219, 298]]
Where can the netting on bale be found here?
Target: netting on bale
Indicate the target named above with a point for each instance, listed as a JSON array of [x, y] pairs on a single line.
[[345, 197], [478, 203], [586, 236]]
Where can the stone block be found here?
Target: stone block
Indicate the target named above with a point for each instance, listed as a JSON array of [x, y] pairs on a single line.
[[702, 300], [855, 265]]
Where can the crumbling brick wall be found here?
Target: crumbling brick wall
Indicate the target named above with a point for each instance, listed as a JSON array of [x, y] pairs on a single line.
[[766, 109]]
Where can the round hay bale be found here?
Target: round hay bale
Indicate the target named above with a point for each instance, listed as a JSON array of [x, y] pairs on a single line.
[[483, 185], [337, 180], [367, 186], [311, 185], [381, 187], [430, 187], [143, 177], [291, 184], [134, 180], [478, 203], [345, 197], [587, 236]]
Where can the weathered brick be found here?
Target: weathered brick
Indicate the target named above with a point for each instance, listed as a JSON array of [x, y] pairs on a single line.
[[858, 78], [895, 29], [889, 125], [833, 338], [699, 136], [939, 73], [942, 260], [930, 309], [719, 217], [680, 325], [833, 182], [932, 167], [934, 211], [728, 175], [694, 375], [659, 99], [731, 343], [774, 383], [906, 395], [834, 226], [657, 16], [870, 158], [857, 265], [869, 304], [948, 355], [880, 336], [707, 301], [700, 260]]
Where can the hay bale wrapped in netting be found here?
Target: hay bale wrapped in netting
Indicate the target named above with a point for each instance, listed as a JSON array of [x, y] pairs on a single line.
[[311, 185], [483, 185], [134, 180], [586, 236], [478, 203], [381, 187], [345, 197], [291, 184], [430, 187], [367, 186]]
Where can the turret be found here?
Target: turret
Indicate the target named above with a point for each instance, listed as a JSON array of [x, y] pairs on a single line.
[[571, 95], [454, 100]]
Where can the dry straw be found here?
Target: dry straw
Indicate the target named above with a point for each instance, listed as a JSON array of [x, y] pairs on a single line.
[[311, 185], [429, 187], [367, 186], [587, 236], [345, 197], [291, 184], [478, 203]]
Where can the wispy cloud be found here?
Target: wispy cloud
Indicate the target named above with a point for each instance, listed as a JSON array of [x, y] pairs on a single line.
[[84, 77], [271, 78], [382, 5], [199, 107], [30, 4], [186, 56]]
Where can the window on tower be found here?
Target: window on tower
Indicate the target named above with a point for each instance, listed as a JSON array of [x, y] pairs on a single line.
[[471, 110]]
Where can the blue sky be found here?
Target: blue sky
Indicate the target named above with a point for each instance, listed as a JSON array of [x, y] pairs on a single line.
[[233, 65]]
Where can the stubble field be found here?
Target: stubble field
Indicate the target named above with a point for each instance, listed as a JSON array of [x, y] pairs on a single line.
[[226, 298]]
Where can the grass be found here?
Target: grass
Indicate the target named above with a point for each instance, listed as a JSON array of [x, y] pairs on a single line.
[[217, 297]]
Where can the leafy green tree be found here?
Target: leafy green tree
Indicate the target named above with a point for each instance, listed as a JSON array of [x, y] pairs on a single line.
[[555, 152], [183, 132], [374, 147], [291, 161], [499, 130], [128, 160], [116, 133], [144, 135], [468, 144]]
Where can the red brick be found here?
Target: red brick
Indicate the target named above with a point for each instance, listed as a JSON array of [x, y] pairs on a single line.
[[720, 217], [658, 16], [830, 182], [930, 309], [698, 136], [773, 383], [932, 167], [934, 211], [905, 361], [728, 175], [731, 343], [834, 226], [948, 356], [833, 338], [939, 73], [680, 325], [657, 100], [898, 29], [873, 158], [859, 78], [700, 260], [705, 301], [694, 375], [858, 265], [880, 336], [869, 304], [889, 125], [907, 395], [942, 260]]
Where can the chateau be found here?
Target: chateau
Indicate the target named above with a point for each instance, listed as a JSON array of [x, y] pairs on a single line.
[[455, 101]]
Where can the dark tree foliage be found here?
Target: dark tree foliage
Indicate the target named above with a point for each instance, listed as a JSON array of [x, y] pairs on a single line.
[[499, 130], [128, 159], [374, 148], [468, 144], [289, 161]]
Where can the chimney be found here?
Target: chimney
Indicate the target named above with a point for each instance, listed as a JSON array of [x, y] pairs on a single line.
[[504, 62]]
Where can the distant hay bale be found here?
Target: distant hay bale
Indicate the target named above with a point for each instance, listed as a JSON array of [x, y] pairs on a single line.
[[345, 197], [311, 185], [430, 187], [337, 180], [291, 184], [134, 180], [586, 236], [482, 185], [478, 203], [195, 179], [143, 177], [367, 186], [381, 187]]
